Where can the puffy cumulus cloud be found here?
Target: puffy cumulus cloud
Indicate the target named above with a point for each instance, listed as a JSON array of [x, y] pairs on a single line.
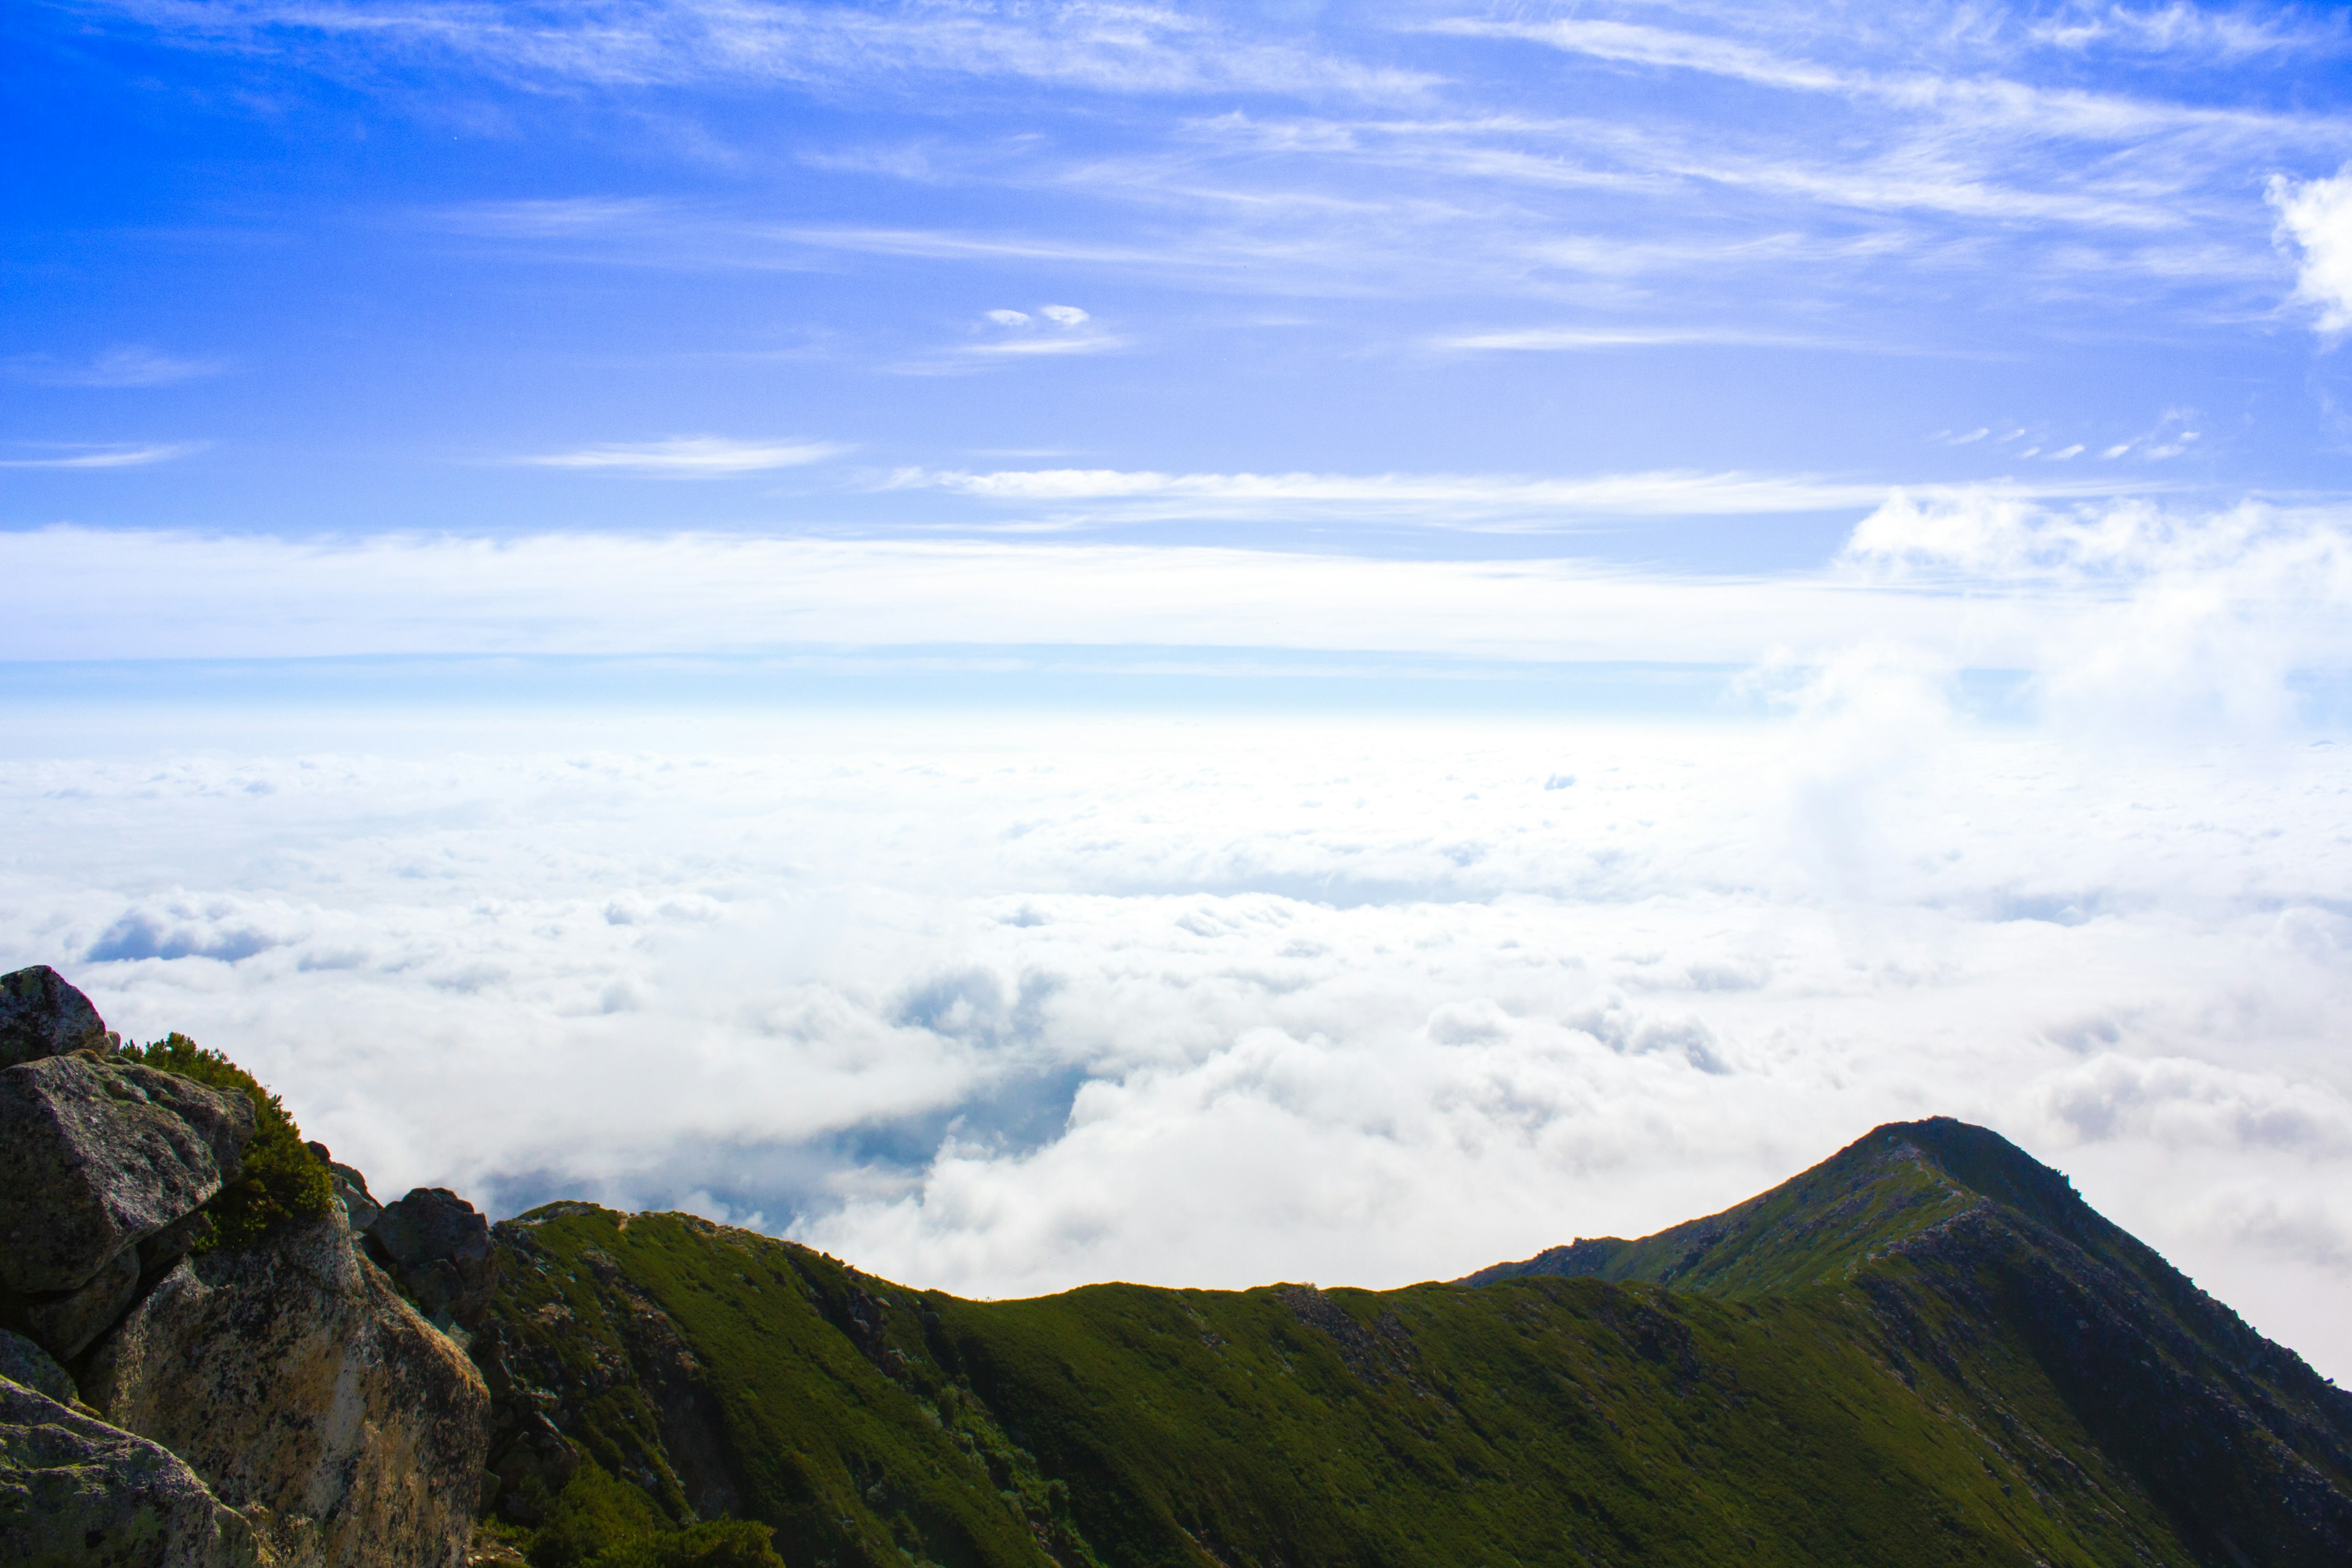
[[1023, 1004], [2151, 620], [2315, 218]]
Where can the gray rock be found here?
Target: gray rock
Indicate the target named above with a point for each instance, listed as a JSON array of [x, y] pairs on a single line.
[[41, 1016], [96, 1156], [350, 1189], [22, 1360], [537, 1462], [75, 1491], [292, 1376], [439, 1246], [64, 1325]]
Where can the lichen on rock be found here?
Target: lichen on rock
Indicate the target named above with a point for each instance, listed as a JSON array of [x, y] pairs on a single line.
[[41, 1016], [291, 1374], [75, 1490]]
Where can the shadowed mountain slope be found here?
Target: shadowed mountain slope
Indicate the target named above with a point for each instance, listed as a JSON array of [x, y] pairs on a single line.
[[1925, 1349]]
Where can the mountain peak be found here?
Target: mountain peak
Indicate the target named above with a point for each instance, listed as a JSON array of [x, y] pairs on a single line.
[[1894, 1182]]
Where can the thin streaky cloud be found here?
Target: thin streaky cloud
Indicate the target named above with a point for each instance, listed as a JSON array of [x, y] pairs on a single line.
[[1092, 343], [689, 457], [1556, 340], [1048, 329], [128, 366], [114, 456], [2191, 31], [1437, 499], [1989, 101], [1102, 47], [1630, 43]]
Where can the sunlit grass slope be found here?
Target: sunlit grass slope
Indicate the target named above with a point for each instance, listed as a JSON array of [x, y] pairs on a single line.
[[1875, 1363]]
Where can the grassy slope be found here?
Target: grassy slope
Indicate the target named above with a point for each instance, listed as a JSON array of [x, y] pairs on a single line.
[[1963, 1243], [1545, 1420], [1925, 1349]]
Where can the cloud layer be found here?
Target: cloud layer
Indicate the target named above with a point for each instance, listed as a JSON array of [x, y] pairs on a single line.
[[1004, 1007]]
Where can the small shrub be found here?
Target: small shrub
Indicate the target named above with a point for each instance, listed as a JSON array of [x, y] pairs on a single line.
[[279, 1182], [598, 1521]]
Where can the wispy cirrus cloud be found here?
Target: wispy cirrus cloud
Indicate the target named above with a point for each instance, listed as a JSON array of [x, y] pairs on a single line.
[[687, 456], [1574, 340], [1985, 100], [2195, 32], [1104, 47], [103, 456], [1432, 501], [1050, 329], [126, 366]]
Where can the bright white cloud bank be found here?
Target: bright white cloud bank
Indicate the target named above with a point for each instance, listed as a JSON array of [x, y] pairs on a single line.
[[1971, 578], [1005, 1008], [1005, 1005]]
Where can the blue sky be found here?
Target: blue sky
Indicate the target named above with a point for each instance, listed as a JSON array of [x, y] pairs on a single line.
[[1039, 643], [968, 270]]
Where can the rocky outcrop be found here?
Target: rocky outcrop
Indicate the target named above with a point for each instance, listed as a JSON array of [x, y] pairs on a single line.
[[350, 1189], [74, 1490], [101, 1165], [273, 1403], [41, 1016], [437, 1245], [292, 1375], [24, 1362]]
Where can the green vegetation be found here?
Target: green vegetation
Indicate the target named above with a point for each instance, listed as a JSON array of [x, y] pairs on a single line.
[[600, 1522], [278, 1180], [1868, 1376]]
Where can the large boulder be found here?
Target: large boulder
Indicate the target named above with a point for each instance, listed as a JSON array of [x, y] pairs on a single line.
[[41, 1016], [74, 1490], [22, 1360], [101, 1164], [439, 1246], [293, 1377]]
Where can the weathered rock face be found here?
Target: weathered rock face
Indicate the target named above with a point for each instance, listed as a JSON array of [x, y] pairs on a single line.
[[41, 1016], [293, 1377], [277, 1405], [439, 1246], [74, 1490], [101, 1165], [350, 1190], [22, 1360]]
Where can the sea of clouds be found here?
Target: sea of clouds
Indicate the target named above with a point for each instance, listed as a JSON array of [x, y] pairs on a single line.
[[1219, 1002], [1004, 1002]]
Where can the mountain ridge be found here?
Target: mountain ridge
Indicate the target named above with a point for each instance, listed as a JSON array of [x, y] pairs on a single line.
[[1928, 1325], [1924, 1348]]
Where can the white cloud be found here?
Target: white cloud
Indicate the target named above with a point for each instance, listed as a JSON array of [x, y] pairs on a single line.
[[2162, 621], [1053, 330], [1434, 499], [1107, 48], [690, 457], [2317, 215], [1573, 339], [2194, 31], [1002, 1005], [58, 456], [1636, 44], [125, 366], [2223, 608]]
